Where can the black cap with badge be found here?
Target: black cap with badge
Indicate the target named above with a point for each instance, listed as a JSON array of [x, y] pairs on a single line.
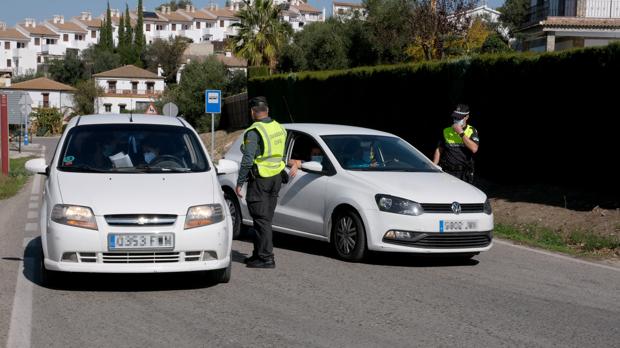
[[258, 102], [460, 112]]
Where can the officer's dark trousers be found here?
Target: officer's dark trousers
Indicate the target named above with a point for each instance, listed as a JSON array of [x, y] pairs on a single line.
[[465, 175], [262, 197]]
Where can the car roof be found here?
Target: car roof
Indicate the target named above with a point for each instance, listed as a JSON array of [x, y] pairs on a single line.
[[127, 119], [320, 129]]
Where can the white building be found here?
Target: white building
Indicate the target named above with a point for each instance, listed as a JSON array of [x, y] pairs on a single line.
[[47, 93], [298, 14], [178, 23], [43, 41], [91, 25], [348, 10], [72, 36], [127, 88], [224, 19], [155, 26], [485, 13], [202, 24], [563, 24], [16, 54]]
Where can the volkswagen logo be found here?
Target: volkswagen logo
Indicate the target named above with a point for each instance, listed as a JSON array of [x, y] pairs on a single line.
[[456, 208]]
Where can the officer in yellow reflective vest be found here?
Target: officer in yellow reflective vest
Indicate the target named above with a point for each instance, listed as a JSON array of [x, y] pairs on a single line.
[[261, 167], [456, 149]]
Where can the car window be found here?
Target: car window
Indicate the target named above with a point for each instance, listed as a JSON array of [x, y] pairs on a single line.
[[131, 148], [377, 153], [306, 149]]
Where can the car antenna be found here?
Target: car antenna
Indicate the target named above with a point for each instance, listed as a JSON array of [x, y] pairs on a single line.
[[131, 116], [288, 110]]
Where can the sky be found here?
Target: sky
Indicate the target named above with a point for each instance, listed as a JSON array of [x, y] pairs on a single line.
[[14, 11]]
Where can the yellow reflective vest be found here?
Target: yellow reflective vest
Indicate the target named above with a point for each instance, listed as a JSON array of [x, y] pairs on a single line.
[[271, 161]]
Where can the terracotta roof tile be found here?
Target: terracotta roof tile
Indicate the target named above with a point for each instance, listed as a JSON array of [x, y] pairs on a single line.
[[222, 12], [12, 34], [42, 84], [39, 30], [68, 26], [582, 22], [199, 14], [174, 17], [93, 23], [232, 62], [303, 7], [129, 71], [348, 4]]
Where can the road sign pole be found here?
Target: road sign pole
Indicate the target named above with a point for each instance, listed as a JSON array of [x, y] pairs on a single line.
[[4, 133], [212, 137]]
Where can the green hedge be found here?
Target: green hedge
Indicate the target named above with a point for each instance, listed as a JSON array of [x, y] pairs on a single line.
[[544, 118]]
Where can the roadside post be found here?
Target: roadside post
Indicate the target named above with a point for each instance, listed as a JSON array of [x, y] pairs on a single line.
[[4, 136], [171, 109], [213, 105]]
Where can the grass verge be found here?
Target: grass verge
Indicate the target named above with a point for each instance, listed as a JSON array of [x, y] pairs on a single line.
[[578, 243], [18, 175]]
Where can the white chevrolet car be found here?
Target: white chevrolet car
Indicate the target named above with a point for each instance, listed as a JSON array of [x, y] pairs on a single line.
[[362, 189], [133, 194]]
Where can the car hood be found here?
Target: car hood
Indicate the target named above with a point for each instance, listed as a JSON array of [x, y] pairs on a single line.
[[421, 187], [136, 193]]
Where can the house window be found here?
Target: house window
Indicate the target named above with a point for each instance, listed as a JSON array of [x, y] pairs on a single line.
[[185, 27], [38, 59], [79, 37], [111, 86], [159, 27], [108, 107], [37, 41], [51, 41], [221, 24], [8, 63], [122, 107], [134, 87], [150, 87], [46, 100], [148, 27], [21, 45], [197, 25], [174, 27], [7, 45], [65, 37], [93, 34]]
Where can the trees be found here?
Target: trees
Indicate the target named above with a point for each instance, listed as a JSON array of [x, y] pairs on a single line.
[[85, 96], [514, 14], [139, 40], [323, 45], [68, 70], [261, 33], [494, 43], [174, 5], [106, 41], [168, 54]]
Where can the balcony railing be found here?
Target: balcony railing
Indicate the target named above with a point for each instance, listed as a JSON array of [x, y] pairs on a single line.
[[568, 8], [603, 8], [143, 93]]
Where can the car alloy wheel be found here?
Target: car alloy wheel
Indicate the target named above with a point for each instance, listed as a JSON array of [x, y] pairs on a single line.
[[235, 213], [349, 237]]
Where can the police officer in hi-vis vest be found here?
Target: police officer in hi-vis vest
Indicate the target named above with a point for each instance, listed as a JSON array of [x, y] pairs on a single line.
[[459, 143], [262, 166]]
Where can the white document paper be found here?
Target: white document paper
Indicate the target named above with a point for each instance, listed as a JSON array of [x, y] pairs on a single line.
[[121, 160]]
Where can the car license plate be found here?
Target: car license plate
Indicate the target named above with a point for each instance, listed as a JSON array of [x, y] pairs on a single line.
[[457, 226], [141, 241]]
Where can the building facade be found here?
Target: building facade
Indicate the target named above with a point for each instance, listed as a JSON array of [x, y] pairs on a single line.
[[47, 93], [127, 88]]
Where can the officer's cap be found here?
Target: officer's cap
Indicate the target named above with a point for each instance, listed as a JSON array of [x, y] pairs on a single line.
[[460, 112], [258, 101]]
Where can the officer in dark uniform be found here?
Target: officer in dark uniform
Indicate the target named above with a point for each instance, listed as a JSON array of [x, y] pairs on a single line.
[[458, 144], [261, 167]]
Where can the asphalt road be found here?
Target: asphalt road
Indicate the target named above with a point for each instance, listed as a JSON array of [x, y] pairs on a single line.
[[509, 296]]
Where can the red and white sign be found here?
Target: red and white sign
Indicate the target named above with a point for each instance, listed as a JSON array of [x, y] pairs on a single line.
[[151, 110]]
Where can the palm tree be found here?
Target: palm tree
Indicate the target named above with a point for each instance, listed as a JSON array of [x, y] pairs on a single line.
[[261, 33]]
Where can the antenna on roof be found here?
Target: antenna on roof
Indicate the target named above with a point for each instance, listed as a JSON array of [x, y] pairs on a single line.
[[288, 110]]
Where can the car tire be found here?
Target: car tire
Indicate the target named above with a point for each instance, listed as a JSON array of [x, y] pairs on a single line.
[[235, 212], [221, 275], [349, 236], [49, 278]]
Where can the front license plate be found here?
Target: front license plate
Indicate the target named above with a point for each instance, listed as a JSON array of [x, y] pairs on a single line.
[[142, 241], [457, 226]]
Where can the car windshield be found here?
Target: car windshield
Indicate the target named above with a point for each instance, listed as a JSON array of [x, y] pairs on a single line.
[[131, 148], [377, 153]]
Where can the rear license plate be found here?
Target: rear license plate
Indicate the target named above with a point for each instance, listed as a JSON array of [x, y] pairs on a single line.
[[139, 241], [457, 226]]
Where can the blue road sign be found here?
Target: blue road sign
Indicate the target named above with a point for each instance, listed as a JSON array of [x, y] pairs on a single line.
[[213, 101]]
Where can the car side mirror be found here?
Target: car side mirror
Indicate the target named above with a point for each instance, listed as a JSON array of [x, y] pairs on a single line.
[[225, 166], [312, 167], [37, 166]]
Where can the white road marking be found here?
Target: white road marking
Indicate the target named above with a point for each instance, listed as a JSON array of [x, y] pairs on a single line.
[[563, 257], [33, 214], [21, 315], [34, 198], [36, 185], [32, 227], [34, 205]]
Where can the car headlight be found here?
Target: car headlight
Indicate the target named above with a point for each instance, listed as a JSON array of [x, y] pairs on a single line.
[[487, 207], [74, 215], [203, 215], [398, 205]]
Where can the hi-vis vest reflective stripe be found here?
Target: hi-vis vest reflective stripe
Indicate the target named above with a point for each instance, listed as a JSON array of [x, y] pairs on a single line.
[[453, 139], [270, 162]]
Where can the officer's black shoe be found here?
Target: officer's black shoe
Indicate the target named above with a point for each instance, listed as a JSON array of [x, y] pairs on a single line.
[[250, 259], [260, 263]]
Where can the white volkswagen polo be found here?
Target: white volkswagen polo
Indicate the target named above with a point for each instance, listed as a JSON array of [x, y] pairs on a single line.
[[362, 189], [133, 194]]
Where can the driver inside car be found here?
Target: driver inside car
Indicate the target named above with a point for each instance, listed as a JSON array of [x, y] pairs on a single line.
[[150, 150]]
